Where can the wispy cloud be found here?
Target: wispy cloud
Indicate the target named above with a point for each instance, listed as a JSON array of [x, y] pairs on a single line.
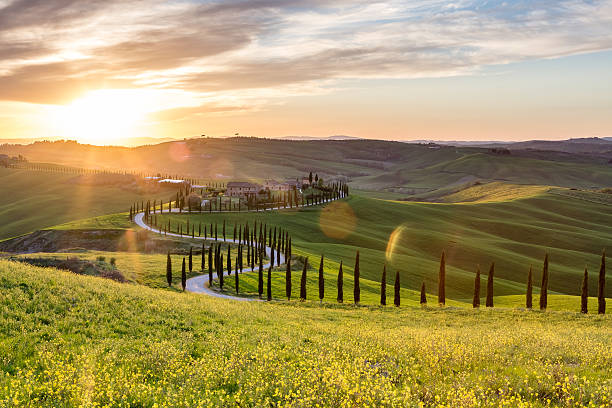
[[52, 50]]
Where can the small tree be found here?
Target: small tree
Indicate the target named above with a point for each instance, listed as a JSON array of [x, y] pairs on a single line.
[[303, 281], [169, 270], [544, 288], [288, 279], [269, 288], [220, 271], [601, 287], [190, 259], [476, 298], [396, 289], [584, 296], [321, 281], [260, 278], [340, 284], [183, 276], [383, 286], [423, 294], [356, 288], [236, 277], [210, 265], [442, 281], [489, 301], [529, 297]]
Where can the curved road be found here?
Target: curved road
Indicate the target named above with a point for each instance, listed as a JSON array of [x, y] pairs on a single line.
[[200, 284]]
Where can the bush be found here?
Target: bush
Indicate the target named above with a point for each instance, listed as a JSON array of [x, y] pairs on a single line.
[[101, 258], [113, 262]]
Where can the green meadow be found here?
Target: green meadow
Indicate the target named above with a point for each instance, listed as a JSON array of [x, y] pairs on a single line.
[[70, 340]]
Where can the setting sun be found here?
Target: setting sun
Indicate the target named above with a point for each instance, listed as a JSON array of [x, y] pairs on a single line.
[[102, 117]]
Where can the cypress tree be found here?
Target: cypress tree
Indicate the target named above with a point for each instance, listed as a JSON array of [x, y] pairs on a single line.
[[220, 271], [272, 255], [269, 287], [476, 298], [529, 297], [544, 288], [321, 281], [183, 276], [236, 277], [223, 230], [169, 270], [442, 281], [260, 281], [489, 300], [229, 263], [423, 294], [190, 259], [396, 289], [601, 287], [356, 288], [229, 259], [340, 284], [584, 296], [210, 265], [288, 280], [383, 286], [215, 231], [303, 281]]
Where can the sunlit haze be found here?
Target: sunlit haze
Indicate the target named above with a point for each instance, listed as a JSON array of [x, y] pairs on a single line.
[[103, 71]]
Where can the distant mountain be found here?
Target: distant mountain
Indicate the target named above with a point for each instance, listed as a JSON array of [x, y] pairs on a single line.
[[587, 145], [335, 137]]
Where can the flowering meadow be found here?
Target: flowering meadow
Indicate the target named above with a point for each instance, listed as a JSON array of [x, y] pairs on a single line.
[[79, 341]]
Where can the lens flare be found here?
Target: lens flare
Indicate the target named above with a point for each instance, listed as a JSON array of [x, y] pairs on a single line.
[[337, 220]]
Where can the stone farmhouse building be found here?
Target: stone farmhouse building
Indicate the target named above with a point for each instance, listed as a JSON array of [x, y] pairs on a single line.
[[242, 189]]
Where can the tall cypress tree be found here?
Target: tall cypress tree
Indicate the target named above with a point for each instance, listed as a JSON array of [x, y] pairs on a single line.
[[269, 288], [169, 270], [476, 298], [260, 278], [223, 230], [529, 297], [210, 265], [544, 288], [396, 289], [321, 281], [489, 300], [288, 280], [383, 286], [183, 276], [303, 281], [220, 271], [442, 281], [601, 287], [229, 259], [356, 288], [423, 300], [340, 297], [584, 296], [236, 277], [190, 259]]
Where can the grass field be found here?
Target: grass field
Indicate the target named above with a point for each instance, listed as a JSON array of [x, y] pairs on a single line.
[[33, 200], [69, 340], [410, 237]]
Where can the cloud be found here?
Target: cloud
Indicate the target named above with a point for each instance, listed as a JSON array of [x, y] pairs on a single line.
[[53, 50]]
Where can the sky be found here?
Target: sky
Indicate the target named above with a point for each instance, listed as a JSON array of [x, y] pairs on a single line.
[[102, 71]]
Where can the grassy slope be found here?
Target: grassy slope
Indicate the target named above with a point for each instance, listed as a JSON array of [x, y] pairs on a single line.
[[67, 340], [410, 237], [369, 164], [32, 200]]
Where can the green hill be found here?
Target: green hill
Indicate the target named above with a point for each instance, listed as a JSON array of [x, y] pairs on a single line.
[[33, 200], [410, 237], [69, 340]]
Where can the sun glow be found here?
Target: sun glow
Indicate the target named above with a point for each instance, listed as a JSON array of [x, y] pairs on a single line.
[[105, 116]]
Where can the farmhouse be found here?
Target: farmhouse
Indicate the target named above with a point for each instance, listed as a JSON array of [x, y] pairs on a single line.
[[241, 189]]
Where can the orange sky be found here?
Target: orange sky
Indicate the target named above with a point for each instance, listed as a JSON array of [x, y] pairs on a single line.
[[101, 71]]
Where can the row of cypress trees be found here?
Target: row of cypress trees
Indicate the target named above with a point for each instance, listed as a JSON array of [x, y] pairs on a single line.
[[441, 285]]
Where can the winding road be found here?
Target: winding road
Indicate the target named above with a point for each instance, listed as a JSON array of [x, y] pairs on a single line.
[[200, 284]]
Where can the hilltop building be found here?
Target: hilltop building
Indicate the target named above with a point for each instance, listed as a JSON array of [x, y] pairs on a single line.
[[242, 189]]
